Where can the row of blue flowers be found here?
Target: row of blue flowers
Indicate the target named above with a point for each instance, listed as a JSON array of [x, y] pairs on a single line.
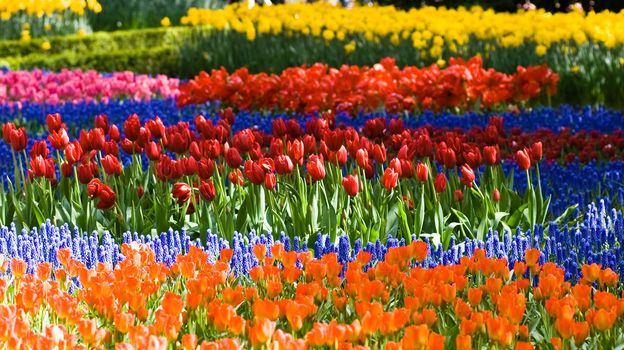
[[598, 238], [80, 115]]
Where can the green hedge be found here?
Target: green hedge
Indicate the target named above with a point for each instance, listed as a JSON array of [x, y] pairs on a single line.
[[157, 60], [101, 41]]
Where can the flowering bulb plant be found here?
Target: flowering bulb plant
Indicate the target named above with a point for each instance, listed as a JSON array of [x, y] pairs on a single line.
[[463, 84], [388, 180], [292, 300]]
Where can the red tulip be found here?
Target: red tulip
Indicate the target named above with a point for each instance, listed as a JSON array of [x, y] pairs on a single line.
[[523, 159], [67, 170], [316, 168], [131, 147], [396, 165], [233, 158], [440, 183], [207, 190], [254, 172], [114, 133], [342, 155], [490, 153], [181, 192], [361, 158], [283, 165], [390, 179], [236, 177], [7, 130], [156, 127], [97, 139], [194, 151], [270, 181], [19, 139], [107, 198], [296, 151], [54, 122], [468, 176], [459, 195], [112, 148], [152, 150], [93, 187], [422, 172], [38, 166], [140, 191], [279, 128], [379, 153], [59, 139], [496, 195], [350, 184], [536, 152], [39, 148], [448, 158], [111, 165], [132, 127], [145, 136], [73, 152], [189, 166], [86, 172], [205, 168], [101, 121]]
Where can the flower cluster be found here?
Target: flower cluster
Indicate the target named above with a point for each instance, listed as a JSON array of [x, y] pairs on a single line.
[[597, 239], [292, 300], [350, 88], [78, 86], [46, 7], [207, 176], [428, 27]]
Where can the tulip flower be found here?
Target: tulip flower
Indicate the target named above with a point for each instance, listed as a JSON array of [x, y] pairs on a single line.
[[422, 172], [468, 176], [440, 183], [181, 192], [316, 168], [350, 184], [523, 159], [390, 179]]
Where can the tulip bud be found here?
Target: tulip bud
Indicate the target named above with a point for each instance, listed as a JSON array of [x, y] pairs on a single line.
[[233, 158], [140, 191], [422, 172], [523, 159], [459, 195], [440, 183], [496, 195], [490, 153], [536, 152], [270, 181], [207, 190]]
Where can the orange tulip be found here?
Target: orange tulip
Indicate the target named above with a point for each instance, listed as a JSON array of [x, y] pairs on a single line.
[[531, 256], [463, 342]]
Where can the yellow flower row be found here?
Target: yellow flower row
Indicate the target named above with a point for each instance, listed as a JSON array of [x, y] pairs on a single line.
[[424, 27], [39, 8]]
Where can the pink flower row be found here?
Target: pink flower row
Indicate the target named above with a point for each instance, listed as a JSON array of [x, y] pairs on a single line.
[[77, 85]]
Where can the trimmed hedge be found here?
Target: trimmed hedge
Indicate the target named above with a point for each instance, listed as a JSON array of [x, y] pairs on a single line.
[[157, 60], [100, 41]]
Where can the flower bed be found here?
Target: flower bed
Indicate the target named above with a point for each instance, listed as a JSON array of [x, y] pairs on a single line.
[[462, 85]]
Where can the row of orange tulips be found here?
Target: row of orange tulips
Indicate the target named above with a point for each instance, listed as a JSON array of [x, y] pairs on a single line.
[[292, 301]]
